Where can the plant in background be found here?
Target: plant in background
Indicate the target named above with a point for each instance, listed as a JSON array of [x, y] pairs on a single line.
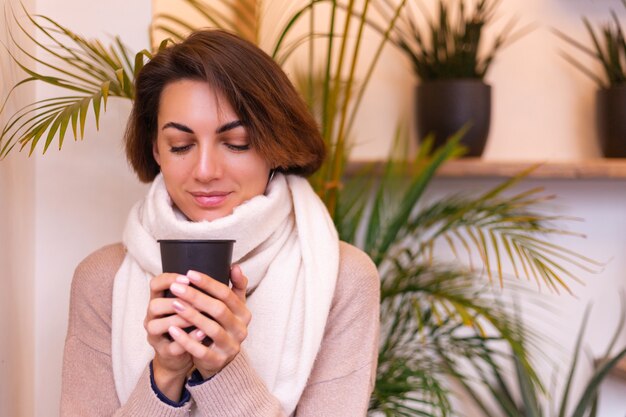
[[450, 56], [431, 311], [532, 402], [453, 44], [242, 17], [608, 49], [89, 71]]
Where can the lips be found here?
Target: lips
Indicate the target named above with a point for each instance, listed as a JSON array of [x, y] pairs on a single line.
[[212, 199]]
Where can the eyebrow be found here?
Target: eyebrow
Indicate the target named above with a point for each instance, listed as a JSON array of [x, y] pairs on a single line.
[[224, 128], [178, 126], [229, 126]]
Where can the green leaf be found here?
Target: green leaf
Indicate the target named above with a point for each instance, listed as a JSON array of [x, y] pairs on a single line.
[[53, 130], [64, 123], [84, 107], [104, 90], [418, 185], [75, 124], [96, 108], [572, 369], [529, 396], [75, 64], [590, 394]]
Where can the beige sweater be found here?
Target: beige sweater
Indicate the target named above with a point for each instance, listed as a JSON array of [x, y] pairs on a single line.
[[340, 383]]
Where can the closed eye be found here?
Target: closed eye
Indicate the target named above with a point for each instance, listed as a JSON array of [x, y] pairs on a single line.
[[237, 148], [180, 149]]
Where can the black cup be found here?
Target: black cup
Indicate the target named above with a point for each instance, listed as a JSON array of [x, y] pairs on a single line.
[[211, 257]]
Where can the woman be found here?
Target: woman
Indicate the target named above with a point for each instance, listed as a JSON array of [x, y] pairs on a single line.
[[225, 139]]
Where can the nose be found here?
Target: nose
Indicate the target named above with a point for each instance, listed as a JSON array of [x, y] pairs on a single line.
[[209, 164]]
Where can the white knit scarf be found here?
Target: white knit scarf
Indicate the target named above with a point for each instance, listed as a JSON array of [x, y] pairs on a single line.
[[288, 248]]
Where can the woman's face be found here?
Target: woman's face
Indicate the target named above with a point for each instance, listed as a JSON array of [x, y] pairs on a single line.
[[204, 152]]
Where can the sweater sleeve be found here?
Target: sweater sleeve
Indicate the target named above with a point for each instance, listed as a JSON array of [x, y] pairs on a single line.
[[237, 390], [88, 388], [343, 374]]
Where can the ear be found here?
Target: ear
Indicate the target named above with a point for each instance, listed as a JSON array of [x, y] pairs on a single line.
[[155, 153]]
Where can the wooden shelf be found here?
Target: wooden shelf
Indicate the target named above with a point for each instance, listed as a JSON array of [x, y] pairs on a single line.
[[481, 168], [586, 169]]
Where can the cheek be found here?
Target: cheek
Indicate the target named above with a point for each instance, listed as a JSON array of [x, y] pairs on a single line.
[[256, 172], [174, 171], [252, 178]]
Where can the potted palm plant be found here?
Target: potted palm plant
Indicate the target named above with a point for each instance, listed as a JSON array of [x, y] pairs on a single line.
[[451, 60], [609, 50]]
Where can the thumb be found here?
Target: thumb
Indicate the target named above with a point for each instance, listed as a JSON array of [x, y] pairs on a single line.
[[239, 281]]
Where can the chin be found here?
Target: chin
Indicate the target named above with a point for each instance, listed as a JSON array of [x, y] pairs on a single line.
[[210, 216]]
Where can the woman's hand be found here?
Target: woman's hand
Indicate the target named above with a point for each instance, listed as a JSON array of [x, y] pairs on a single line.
[[226, 324], [171, 363]]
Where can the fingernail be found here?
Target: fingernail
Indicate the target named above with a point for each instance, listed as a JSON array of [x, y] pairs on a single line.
[[200, 334], [174, 331], [178, 306], [194, 276], [178, 288], [182, 279]]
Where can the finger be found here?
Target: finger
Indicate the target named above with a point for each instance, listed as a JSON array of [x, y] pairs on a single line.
[[175, 349], [158, 327], [198, 334], [160, 307], [160, 283], [194, 347], [239, 281], [216, 290], [234, 332], [208, 284], [164, 342], [234, 321]]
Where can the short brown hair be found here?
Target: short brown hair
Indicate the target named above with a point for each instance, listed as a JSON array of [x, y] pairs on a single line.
[[278, 122]]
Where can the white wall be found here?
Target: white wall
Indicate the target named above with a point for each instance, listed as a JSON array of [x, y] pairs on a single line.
[[543, 110], [17, 276], [16, 255], [83, 192]]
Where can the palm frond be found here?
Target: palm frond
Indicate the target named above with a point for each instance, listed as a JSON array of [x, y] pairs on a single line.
[[94, 71], [500, 226], [400, 389], [393, 228], [588, 401], [437, 316], [241, 17]]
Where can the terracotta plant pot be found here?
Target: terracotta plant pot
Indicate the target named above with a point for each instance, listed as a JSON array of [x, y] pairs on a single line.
[[611, 121], [445, 106]]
